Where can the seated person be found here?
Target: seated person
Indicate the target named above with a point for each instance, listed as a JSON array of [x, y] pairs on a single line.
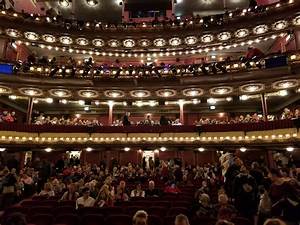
[[47, 191], [224, 210], [122, 193], [204, 208], [85, 200], [138, 192], [181, 220], [105, 197], [152, 191], [70, 194], [172, 189], [140, 218]]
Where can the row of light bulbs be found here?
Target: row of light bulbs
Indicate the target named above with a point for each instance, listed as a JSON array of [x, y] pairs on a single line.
[[158, 139], [127, 149], [155, 54]]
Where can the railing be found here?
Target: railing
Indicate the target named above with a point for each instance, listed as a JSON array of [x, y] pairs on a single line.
[[194, 22], [246, 127], [105, 71]]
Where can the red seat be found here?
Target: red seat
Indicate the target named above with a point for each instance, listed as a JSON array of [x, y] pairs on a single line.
[[67, 203], [38, 198], [165, 204], [184, 204], [89, 210], [155, 220], [29, 203], [169, 220], [241, 221], [131, 210], [118, 220], [64, 210], [92, 219], [15, 209], [157, 211], [111, 210], [48, 203], [42, 219], [39, 210], [177, 210], [67, 219]]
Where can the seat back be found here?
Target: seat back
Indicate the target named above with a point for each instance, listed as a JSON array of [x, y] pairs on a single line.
[[67, 219], [92, 219], [42, 219], [118, 220]]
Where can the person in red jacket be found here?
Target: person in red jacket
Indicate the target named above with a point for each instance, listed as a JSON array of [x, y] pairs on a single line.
[[172, 189]]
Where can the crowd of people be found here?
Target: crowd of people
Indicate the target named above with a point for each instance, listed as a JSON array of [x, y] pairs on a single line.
[[224, 190], [8, 117], [73, 121]]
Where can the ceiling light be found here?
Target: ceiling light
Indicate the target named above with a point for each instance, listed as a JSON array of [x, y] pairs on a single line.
[[4, 90], [201, 149], [60, 93], [126, 149], [31, 36], [212, 107], [175, 41], [129, 43], [92, 2], [244, 97], [82, 41], [159, 42], [193, 92], [252, 88], [88, 93], [241, 33], [279, 25], [49, 38], [64, 101], [31, 91], [283, 93], [81, 102], [221, 90], [13, 97], [243, 149], [89, 149], [211, 101], [163, 149], [64, 3], [49, 100], [98, 42], [65, 40], [228, 99], [48, 149], [260, 29], [12, 33], [224, 36], [86, 108], [191, 40], [2, 149], [290, 149], [113, 43], [207, 38]]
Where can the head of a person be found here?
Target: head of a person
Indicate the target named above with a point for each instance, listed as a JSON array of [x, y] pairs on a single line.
[[16, 219], [223, 199], [85, 192], [122, 184], [274, 222], [48, 187], [140, 218], [181, 220], [224, 222], [204, 200], [151, 185]]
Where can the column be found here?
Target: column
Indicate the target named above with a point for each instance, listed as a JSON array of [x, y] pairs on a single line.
[[29, 110], [264, 106], [110, 112], [297, 39], [181, 117], [271, 163]]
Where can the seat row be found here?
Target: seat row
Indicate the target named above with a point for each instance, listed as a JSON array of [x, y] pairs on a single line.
[[130, 210]]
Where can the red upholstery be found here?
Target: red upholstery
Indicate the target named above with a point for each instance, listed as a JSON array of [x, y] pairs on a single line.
[[241, 221], [119, 220], [64, 210], [67, 219], [39, 210], [92, 219], [177, 210], [42, 219], [155, 220], [157, 211]]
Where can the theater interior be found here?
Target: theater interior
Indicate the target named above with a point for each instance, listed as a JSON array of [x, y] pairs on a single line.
[[101, 100]]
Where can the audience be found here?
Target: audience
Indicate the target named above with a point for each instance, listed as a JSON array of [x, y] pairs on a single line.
[[86, 200]]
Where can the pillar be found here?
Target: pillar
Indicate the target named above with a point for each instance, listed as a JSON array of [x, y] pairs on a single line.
[[29, 110], [271, 163], [297, 39], [264, 106], [181, 117], [110, 113]]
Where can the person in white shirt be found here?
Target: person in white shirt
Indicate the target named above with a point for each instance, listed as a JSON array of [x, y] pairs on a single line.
[[85, 200], [138, 192]]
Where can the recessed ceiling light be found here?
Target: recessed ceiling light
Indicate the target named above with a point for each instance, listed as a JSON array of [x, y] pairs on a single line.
[[201, 149], [129, 43], [92, 2], [241, 33], [82, 41], [191, 40], [159, 42], [89, 149], [49, 38], [31, 36], [2, 149], [126, 149], [48, 149], [207, 38], [175, 41], [243, 149], [279, 25], [290, 149], [98, 42], [224, 36], [66, 40], [163, 149]]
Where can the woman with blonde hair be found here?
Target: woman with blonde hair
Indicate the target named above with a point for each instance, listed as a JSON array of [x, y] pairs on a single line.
[[105, 197]]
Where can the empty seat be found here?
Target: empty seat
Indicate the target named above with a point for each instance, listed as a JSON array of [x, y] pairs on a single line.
[[118, 220], [29, 203], [177, 210], [111, 210], [157, 211], [89, 210], [15, 209], [241, 221], [67, 203], [67, 219], [92, 219], [64, 210], [155, 220], [38, 198], [39, 210], [42, 219], [165, 204], [184, 204], [48, 203], [131, 210], [169, 220]]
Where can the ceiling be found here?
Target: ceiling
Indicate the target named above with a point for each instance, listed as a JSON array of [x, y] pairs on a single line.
[[111, 11]]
